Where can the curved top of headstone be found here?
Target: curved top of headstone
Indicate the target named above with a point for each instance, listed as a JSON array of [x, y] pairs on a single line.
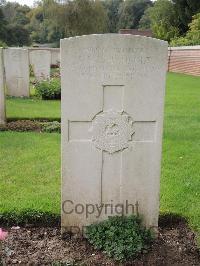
[[113, 58], [91, 61], [116, 36], [15, 48]]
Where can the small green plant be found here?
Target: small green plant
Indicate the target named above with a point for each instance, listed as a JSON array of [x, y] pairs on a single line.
[[51, 127], [3, 44], [120, 237], [49, 89], [31, 71]]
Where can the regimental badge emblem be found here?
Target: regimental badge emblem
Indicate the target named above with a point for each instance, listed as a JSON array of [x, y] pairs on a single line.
[[112, 131]]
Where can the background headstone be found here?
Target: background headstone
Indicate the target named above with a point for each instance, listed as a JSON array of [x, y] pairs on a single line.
[[41, 62], [17, 72], [55, 56], [2, 89], [112, 120]]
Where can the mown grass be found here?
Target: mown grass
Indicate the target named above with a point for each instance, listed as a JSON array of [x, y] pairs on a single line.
[[180, 182], [30, 172], [30, 162], [18, 108]]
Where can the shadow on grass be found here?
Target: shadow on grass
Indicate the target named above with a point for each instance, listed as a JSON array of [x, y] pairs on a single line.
[[168, 220], [39, 119], [38, 219], [30, 217]]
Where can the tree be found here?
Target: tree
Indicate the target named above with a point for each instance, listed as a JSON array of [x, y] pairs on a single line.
[[17, 35], [16, 14], [85, 17], [16, 20], [2, 26], [185, 9], [131, 12], [113, 7], [145, 21], [37, 27], [21, 15], [47, 22], [193, 35], [2, 2], [50, 20], [163, 20]]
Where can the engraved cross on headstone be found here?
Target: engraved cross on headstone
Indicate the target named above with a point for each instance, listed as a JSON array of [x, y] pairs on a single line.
[[112, 132]]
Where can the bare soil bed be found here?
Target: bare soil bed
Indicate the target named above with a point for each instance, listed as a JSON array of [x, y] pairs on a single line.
[[30, 245]]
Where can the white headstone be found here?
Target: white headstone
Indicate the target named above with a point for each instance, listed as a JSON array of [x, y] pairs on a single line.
[[113, 90], [17, 72], [55, 56], [2, 89], [41, 62]]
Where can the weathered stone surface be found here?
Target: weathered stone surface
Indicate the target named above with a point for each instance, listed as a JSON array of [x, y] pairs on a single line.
[[17, 72], [41, 62], [112, 118], [2, 89], [55, 56]]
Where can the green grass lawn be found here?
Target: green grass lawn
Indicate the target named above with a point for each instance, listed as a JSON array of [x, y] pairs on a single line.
[[30, 162], [180, 182], [30, 172], [32, 109]]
